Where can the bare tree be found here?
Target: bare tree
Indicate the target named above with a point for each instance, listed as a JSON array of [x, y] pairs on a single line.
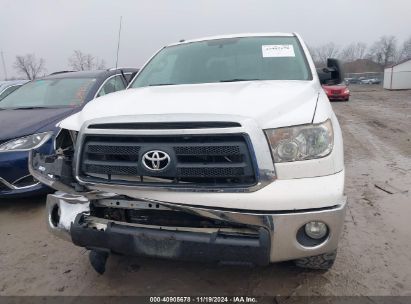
[[405, 52], [384, 51], [80, 61], [30, 66], [322, 53], [353, 52], [313, 52], [100, 64]]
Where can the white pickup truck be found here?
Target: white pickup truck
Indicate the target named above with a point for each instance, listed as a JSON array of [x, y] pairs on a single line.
[[222, 149]]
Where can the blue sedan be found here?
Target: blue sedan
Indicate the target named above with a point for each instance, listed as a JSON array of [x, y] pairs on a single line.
[[28, 118]]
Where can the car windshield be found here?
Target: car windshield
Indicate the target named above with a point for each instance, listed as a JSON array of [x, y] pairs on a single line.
[[51, 93], [226, 60]]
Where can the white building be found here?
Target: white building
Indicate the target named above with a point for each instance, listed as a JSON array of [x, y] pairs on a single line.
[[398, 76]]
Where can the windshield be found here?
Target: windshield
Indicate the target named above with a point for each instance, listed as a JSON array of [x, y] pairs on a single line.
[[49, 93], [225, 60]]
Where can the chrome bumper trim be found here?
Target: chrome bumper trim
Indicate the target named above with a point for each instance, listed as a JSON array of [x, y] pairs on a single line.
[[68, 206], [13, 187]]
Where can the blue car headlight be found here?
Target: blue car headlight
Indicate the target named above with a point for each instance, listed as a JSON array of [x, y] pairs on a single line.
[[26, 143]]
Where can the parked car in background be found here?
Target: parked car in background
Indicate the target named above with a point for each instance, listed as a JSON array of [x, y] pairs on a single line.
[[7, 87], [371, 81], [347, 81], [28, 119], [337, 92], [353, 80]]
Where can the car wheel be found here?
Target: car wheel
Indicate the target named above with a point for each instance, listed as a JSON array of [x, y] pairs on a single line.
[[321, 262], [347, 99]]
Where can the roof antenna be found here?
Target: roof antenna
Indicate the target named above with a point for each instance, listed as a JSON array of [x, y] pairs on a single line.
[[118, 43]]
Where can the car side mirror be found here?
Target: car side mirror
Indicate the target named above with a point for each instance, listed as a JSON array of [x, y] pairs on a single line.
[[332, 74]]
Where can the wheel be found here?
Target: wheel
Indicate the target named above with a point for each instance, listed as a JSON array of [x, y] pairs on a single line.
[[323, 261], [347, 99]]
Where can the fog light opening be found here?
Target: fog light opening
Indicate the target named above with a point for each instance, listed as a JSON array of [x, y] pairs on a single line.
[[55, 215], [313, 233], [316, 230]]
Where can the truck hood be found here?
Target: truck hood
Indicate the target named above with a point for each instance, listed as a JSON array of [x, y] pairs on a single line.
[[270, 103]]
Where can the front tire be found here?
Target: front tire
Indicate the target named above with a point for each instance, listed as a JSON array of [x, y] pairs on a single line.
[[319, 262]]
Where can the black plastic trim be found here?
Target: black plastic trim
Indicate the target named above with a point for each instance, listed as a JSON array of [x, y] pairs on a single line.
[[166, 125], [178, 245]]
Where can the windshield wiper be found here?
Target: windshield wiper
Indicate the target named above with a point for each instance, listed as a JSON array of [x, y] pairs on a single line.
[[238, 79], [28, 108], [224, 80], [160, 84]]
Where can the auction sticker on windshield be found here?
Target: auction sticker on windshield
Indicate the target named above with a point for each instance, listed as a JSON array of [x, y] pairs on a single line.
[[278, 50]]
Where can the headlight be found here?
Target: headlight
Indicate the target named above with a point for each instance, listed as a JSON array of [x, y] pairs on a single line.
[[301, 142], [26, 143]]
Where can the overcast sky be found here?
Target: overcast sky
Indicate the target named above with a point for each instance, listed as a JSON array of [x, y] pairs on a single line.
[[52, 29]]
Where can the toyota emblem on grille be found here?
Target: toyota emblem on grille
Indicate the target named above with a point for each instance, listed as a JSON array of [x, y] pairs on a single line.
[[156, 160]]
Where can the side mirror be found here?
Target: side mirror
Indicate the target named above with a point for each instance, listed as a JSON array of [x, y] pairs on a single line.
[[332, 74]]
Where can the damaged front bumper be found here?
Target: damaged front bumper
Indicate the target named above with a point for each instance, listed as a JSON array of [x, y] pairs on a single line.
[[257, 238], [229, 235]]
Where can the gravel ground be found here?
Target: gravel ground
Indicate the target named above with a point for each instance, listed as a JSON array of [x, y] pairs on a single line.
[[374, 255]]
